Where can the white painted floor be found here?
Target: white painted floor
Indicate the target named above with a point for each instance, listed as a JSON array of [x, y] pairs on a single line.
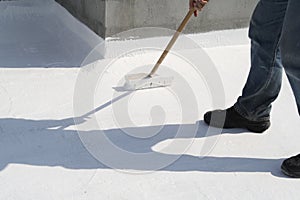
[[42, 156]]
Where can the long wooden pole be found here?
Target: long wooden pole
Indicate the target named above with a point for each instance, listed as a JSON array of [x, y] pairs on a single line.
[[172, 42]]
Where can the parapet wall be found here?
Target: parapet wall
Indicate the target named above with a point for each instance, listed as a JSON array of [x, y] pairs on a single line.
[[108, 17]]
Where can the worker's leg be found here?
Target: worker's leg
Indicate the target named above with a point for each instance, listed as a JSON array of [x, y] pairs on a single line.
[[290, 45], [265, 77]]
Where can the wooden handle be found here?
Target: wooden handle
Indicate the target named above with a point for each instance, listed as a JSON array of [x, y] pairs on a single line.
[[172, 42]]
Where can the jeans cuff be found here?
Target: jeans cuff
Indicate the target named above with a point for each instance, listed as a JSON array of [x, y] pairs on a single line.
[[243, 114]]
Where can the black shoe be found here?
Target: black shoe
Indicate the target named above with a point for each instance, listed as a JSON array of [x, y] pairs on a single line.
[[229, 118], [291, 167]]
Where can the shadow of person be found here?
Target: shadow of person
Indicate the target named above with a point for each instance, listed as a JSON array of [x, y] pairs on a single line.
[[56, 143], [42, 143]]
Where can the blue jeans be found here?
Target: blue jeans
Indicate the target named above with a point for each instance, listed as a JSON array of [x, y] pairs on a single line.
[[275, 45]]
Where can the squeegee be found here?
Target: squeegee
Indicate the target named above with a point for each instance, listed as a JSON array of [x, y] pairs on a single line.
[[153, 80]]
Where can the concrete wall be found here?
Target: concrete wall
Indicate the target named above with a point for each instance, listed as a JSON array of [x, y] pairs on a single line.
[[90, 12], [108, 17]]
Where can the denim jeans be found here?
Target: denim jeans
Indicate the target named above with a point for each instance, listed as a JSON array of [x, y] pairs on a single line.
[[275, 45]]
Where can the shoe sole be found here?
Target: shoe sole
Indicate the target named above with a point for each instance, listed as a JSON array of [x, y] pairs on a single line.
[[288, 173], [258, 127], [253, 127]]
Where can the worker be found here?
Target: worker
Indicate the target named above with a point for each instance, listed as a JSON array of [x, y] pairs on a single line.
[[275, 45]]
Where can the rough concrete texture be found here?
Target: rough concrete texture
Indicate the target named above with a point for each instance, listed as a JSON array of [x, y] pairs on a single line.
[[108, 17], [90, 12]]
